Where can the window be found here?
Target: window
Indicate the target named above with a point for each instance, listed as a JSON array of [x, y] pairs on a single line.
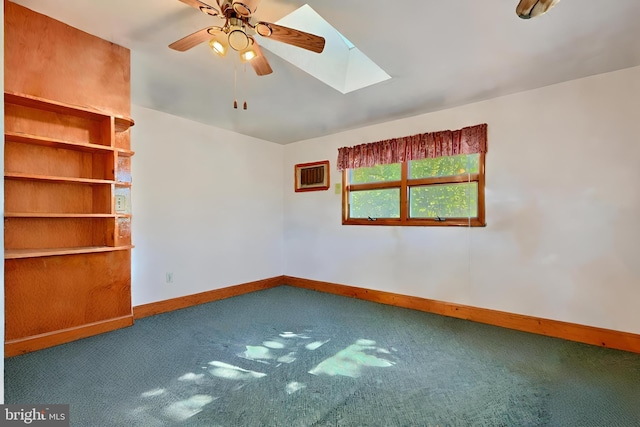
[[434, 178], [441, 191]]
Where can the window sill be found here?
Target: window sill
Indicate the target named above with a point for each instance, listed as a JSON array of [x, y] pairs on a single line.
[[451, 222]]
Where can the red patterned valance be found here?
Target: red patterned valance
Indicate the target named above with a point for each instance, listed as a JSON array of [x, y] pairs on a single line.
[[469, 140]]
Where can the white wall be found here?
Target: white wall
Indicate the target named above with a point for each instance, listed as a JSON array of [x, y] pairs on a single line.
[[563, 211], [207, 206]]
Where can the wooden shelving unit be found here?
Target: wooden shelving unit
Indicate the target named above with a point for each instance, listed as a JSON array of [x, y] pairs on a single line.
[[56, 215], [33, 177], [121, 123], [67, 222], [34, 253], [56, 143]]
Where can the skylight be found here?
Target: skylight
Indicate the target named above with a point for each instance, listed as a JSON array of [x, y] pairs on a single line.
[[346, 41], [342, 65]]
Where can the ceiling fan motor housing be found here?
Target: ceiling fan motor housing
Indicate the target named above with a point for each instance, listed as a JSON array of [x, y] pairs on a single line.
[[238, 39]]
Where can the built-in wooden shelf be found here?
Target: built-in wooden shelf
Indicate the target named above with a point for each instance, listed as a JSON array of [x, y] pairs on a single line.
[[33, 177], [56, 143], [121, 123], [37, 253], [124, 153], [67, 268], [57, 215]]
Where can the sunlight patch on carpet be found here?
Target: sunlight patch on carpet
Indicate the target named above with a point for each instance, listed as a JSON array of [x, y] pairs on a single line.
[[185, 409], [287, 358], [294, 386], [154, 392], [231, 372], [191, 377], [257, 353], [293, 335], [316, 345], [350, 361], [273, 344]]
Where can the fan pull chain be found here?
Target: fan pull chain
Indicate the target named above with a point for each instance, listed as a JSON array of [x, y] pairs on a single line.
[[235, 86], [244, 79], [244, 86]]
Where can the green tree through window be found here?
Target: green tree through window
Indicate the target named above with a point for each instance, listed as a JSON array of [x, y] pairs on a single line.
[[440, 191]]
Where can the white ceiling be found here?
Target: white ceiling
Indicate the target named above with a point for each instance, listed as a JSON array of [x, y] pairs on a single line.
[[439, 53]]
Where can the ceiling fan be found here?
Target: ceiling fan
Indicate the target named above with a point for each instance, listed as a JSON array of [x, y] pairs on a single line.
[[238, 31]]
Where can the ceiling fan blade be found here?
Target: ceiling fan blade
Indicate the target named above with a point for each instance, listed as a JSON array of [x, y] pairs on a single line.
[[194, 39], [290, 36], [245, 8], [204, 8], [527, 9], [259, 63]]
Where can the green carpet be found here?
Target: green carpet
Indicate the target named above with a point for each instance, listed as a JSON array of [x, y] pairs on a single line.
[[292, 357]]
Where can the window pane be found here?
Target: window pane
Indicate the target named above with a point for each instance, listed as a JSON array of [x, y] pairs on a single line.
[[375, 203], [444, 201], [444, 166], [375, 174]]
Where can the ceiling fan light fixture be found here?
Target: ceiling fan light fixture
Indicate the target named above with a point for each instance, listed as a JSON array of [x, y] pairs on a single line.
[[238, 32], [247, 55], [219, 46], [238, 39]]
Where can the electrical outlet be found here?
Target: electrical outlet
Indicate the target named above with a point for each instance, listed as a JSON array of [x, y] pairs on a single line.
[[121, 204], [168, 278]]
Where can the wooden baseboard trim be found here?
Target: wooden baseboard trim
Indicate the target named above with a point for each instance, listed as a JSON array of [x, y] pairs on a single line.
[[552, 328], [38, 342], [165, 306]]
